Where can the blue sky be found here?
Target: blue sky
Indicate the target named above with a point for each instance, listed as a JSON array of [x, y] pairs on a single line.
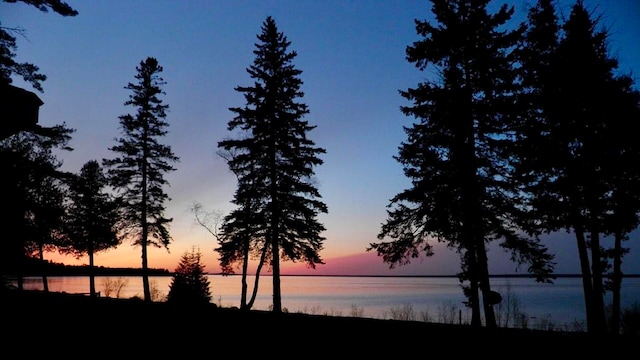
[[352, 58]]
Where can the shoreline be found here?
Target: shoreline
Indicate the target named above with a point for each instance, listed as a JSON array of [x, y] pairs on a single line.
[[77, 318]]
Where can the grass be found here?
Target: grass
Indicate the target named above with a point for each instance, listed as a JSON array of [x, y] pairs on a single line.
[[63, 324], [509, 312]]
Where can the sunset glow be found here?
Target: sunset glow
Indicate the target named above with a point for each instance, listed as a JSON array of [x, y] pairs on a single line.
[[353, 62]]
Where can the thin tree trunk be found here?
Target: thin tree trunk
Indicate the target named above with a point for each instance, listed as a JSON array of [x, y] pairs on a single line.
[[600, 320], [474, 296], [92, 277], [617, 284], [485, 285], [275, 232], [254, 294], [245, 269], [45, 280], [145, 225], [145, 273], [585, 270], [277, 296]]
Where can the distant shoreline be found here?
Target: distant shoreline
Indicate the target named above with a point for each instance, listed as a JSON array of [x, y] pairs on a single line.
[[163, 272], [47, 268], [434, 276]]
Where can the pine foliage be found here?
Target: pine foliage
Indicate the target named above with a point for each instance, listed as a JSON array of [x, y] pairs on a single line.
[[189, 284], [277, 199], [138, 173], [92, 212], [458, 152]]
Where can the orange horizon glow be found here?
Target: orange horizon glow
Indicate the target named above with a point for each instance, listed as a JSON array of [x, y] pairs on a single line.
[[364, 263]]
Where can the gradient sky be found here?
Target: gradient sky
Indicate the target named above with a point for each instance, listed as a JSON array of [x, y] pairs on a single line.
[[352, 58]]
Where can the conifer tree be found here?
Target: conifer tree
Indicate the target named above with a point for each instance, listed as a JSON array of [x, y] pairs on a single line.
[[25, 155], [138, 174], [274, 161], [92, 217], [580, 167], [34, 196], [189, 284], [457, 153]]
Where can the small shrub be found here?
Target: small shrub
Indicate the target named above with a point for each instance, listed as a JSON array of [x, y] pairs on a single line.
[[189, 284], [425, 316], [356, 311], [156, 294], [630, 321], [544, 323], [508, 311], [448, 312], [115, 287], [405, 312]]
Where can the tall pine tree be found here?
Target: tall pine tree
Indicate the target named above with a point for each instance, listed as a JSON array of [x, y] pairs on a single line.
[[579, 158], [457, 153], [274, 161], [138, 174]]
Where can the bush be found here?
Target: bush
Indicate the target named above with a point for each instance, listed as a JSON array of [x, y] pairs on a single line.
[[189, 284], [631, 319]]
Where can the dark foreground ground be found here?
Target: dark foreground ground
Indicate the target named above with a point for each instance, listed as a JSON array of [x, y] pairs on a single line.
[[75, 326]]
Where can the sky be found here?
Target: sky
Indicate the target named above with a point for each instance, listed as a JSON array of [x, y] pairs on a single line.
[[352, 57]]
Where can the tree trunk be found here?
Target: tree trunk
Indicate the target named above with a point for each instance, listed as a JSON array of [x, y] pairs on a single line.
[[245, 269], [617, 284], [254, 294], [485, 285], [145, 267], [585, 269], [45, 280], [474, 297], [277, 296], [600, 322], [92, 277], [275, 232]]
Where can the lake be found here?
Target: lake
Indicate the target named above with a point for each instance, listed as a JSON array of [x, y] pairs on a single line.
[[438, 299]]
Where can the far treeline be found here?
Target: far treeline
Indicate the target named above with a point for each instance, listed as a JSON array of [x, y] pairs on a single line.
[[519, 130], [35, 267]]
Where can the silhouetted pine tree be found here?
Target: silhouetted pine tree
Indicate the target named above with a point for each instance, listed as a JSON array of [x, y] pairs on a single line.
[[189, 284], [138, 174], [92, 217], [274, 163], [457, 153], [33, 194], [242, 236], [625, 198], [25, 154], [581, 170], [536, 54]]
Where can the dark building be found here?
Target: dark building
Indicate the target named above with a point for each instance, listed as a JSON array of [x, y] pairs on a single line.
[[18, 110]]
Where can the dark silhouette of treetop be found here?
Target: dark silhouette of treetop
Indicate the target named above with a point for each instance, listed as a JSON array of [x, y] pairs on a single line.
[[56, 6], [28, 71]]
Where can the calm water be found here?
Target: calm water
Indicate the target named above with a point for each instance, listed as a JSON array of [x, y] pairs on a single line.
[[434, 298]]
